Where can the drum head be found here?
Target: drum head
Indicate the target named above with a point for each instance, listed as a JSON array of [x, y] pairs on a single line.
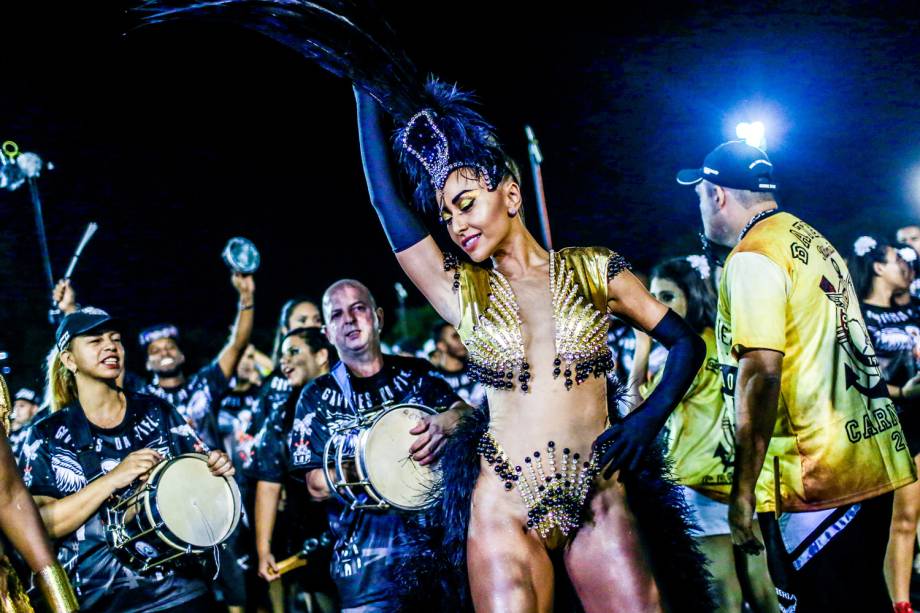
[[241, 255], [200, 509], [393, 474]]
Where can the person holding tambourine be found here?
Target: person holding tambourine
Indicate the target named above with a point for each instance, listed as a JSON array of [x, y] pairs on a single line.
[[100, 440]]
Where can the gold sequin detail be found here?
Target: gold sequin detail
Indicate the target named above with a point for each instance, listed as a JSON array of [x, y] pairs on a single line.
[[496, 343], [580, 329]]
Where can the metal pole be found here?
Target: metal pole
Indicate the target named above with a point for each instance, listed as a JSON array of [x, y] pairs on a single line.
[[536, 161], [42, 239]]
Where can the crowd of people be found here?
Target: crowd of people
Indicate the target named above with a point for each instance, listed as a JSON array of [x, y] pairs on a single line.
[[734, 431], [265, 418]]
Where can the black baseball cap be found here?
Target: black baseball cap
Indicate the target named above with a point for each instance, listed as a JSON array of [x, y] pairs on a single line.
[[83, 321], [29, 395], [155, 333], [736, 165]]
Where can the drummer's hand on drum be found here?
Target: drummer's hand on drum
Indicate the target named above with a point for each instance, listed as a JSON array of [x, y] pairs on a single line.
[[220, 464], [136, 465], [432, 432]]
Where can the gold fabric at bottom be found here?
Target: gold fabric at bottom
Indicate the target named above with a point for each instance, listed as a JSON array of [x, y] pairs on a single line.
[[57, 590], [13, 597], [555, 493]]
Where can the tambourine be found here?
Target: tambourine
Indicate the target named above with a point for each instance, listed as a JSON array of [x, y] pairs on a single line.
[[242, 256]]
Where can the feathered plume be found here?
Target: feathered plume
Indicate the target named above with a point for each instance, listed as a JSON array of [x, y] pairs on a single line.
[[352, 40], [347, 38]]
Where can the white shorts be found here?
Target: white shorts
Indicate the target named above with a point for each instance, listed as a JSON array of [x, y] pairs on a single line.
[[710, 516]]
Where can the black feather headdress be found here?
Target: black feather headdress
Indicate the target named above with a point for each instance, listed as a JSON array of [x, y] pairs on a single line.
[[438, 130]]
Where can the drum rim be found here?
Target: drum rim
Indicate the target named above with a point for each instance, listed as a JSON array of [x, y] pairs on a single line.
[[333, 447], [363, 473], [155, 517]]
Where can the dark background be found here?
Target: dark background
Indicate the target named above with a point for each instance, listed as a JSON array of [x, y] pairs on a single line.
[[176, 138]]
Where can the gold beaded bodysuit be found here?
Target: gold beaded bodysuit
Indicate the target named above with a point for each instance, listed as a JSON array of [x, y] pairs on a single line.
[[553, 484]]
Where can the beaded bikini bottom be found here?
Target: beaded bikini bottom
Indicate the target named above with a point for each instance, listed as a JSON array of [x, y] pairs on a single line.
[[554, 492]]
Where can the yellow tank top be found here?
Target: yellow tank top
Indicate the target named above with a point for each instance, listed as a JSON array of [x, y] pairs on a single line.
[[837, 439], [701, 431]]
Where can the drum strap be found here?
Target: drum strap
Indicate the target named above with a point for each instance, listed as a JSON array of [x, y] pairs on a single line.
[[340, 374]]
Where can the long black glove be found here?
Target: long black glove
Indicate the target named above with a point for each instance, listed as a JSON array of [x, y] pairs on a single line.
[[403, 228], [623, 444]]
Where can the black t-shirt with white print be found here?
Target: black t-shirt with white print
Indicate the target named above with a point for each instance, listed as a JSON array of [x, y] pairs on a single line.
[[470, 391], [366, 550], [895, 334], [234, 419], [198, 400], [49, 465]]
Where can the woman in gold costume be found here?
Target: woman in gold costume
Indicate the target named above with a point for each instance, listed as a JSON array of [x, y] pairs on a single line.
[[22, 525], [535, 324]]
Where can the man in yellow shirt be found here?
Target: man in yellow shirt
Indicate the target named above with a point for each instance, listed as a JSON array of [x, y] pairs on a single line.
[[818, 446]]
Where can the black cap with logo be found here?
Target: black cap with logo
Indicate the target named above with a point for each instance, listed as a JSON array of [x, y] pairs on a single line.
[[736, 165], [83, 321]]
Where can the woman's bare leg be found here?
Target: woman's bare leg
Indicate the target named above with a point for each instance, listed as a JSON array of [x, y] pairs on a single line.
[[720, 562], [509, 569], [606, 561], [900, 556]]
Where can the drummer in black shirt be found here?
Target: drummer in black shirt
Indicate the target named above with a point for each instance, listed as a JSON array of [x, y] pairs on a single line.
[[100, 440], [276, 389], [305, 355], [365, 551]]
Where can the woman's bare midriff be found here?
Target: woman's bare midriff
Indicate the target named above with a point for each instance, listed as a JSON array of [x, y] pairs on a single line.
[[524, 422]]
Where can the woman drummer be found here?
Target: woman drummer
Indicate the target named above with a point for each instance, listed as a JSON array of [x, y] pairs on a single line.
[[99, 441], [305, 354]]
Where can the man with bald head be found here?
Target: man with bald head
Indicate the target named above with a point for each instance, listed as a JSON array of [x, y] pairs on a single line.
[[366, 550]]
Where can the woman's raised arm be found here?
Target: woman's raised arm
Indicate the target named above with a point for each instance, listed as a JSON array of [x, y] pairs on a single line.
[[417, 253]]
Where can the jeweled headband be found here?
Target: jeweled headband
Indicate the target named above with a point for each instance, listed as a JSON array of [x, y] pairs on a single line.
[[446, 135], [427, 143]]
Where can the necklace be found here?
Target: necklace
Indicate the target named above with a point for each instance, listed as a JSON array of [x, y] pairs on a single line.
[[758, 217]]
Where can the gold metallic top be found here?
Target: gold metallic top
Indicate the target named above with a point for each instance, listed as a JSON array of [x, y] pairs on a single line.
[[490, 324], [13, 599]]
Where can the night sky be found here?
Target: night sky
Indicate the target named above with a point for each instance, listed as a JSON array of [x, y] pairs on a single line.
[[176, 138]]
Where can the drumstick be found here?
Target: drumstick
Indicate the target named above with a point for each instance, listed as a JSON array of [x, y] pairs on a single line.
[[289, 564], [299, 559], [88, 234]]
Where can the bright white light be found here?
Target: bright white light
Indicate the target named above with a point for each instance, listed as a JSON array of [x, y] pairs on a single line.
[[913, 186], [752, 133], [3, 355]]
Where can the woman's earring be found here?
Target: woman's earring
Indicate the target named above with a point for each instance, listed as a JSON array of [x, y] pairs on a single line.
[[512, 212]]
